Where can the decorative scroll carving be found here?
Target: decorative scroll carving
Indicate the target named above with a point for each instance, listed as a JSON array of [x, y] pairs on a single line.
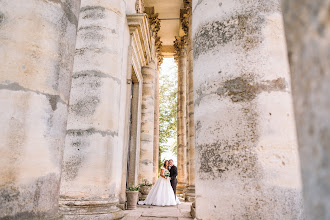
[[184, 15], [154, 28], [158, 45], [180, 44]]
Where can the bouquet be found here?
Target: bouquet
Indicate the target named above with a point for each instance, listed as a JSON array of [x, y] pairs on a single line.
[[167, 173]]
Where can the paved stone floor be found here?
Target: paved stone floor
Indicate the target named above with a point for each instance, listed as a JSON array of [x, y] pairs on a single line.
[[178, 212]]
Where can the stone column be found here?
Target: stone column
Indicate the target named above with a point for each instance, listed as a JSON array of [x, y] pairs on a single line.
[[190, 191], [308, 32], [37, 43], [147, 123], [246, 151], [91, 178], [156, 128], [180, 46]]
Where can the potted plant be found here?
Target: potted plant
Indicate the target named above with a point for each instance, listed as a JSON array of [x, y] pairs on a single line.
[[132, 195], [145, 189]]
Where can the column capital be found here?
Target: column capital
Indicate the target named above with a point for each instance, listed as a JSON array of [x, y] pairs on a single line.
[[158, 45], [180, 44], [154, 22], [185, 13]]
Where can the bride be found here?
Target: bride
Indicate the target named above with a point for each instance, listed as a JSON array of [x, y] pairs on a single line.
[[161, 193]]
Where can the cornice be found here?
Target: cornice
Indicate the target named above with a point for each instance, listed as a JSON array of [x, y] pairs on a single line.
[[139, 25]]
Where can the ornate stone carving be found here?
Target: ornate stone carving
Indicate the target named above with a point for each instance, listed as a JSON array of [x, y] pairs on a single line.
[[158, 45], [179, 46], [184, 15], [154, 29]]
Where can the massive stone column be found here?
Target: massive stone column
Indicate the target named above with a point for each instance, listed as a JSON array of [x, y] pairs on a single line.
[[308, 33], [246, 153], [37, 42], [147, 123], [91, 178], [180, 46]]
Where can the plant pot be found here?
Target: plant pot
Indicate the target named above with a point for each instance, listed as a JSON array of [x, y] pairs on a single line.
[[145, 190], [132, 199]]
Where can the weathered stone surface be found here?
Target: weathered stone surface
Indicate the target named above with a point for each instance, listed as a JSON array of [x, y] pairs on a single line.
[[37, 41], [93, 153], [147, 123], [307, 26], [156, 128], [190, 190], [181, 59], [246, 151]]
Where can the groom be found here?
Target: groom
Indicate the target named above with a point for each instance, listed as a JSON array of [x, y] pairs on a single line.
[[173, 174]]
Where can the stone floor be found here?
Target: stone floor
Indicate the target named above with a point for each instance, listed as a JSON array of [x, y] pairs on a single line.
[[178, 212]]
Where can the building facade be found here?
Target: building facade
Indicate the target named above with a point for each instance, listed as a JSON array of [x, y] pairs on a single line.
[[79, 88]]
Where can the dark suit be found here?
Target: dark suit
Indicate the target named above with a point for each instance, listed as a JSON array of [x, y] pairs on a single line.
[[174, 181]]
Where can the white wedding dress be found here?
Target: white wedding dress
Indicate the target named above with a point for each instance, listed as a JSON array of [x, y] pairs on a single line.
[[161, 193]]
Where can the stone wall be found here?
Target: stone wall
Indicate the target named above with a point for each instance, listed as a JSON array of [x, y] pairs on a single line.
[[37, 41], [307, 29], [246, 150]]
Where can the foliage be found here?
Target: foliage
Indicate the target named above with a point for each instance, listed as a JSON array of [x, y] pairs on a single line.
[[146, 183], [133, 188], [168, 83]]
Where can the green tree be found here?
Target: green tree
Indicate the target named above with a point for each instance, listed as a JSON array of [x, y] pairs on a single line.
[[168, 89]]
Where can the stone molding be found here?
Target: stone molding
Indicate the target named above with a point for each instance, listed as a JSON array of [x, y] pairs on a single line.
[[139, 26]]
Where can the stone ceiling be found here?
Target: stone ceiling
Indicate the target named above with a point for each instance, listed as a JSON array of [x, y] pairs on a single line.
[[169, 14]]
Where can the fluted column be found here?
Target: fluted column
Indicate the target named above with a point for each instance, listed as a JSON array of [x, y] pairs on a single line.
[[307, 29], [147, 123], [181, 118], [37, 43], [246, 151], [91, 179]]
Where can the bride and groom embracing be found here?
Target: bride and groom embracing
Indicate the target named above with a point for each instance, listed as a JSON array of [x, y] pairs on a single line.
[[163, 193]]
